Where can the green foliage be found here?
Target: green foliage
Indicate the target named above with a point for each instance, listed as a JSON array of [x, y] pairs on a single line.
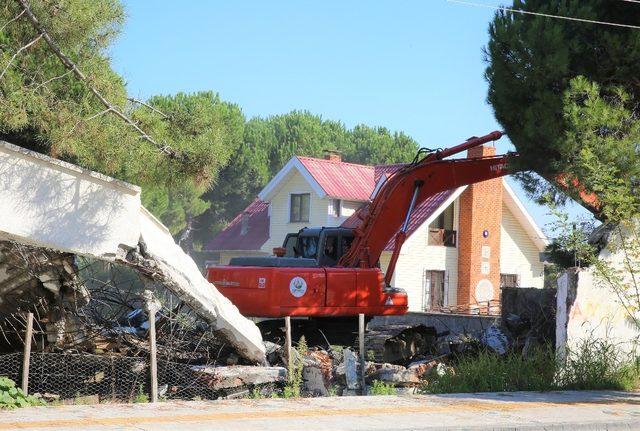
[[293, 388], [210, 130], [595, 364], [531, 64], [12, 396], [141, 396], [381, 388], [488, 372]]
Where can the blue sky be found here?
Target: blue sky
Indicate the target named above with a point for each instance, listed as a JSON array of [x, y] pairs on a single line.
[[414, 66]]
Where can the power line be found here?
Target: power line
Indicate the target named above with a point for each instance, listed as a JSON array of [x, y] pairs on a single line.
[[568, 18]]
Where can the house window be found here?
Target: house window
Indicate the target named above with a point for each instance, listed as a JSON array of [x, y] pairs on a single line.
[[299, 208], [337, 205], [509, 280], [434, 291], [441, 231]]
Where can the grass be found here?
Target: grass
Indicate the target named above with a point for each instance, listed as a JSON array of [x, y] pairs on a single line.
[[593, 365]]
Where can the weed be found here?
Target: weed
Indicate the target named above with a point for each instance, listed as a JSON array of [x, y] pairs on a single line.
[[371, 355], [381, 388], [12, 396], [141, 397], [293, 389], [593, 365]]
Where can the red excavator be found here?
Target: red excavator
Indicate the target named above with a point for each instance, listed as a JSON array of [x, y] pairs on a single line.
[[335, 271]]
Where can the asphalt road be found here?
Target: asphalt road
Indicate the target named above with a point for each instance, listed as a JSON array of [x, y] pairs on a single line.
[[495, 411]]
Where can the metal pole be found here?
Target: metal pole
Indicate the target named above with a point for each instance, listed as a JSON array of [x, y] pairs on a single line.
[[27, 353], [362, 362], [287, 334], [154, 362]]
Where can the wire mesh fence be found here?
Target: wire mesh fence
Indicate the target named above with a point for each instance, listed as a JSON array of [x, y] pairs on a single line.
[[108, 378]]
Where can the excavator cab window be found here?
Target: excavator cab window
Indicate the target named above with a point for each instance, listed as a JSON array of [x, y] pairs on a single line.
[[308, 247], [330, 255], [290, 245]]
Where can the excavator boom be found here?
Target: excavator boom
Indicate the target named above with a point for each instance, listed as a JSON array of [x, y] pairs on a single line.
[[389, 212]]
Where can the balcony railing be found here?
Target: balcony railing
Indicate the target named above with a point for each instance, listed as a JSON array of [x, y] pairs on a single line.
[[442, 237]]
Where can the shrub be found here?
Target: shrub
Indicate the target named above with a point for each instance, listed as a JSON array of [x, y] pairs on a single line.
[[12, 396], [381, 388]]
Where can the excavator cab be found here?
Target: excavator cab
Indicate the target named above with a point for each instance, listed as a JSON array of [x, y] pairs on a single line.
[[326, 245]]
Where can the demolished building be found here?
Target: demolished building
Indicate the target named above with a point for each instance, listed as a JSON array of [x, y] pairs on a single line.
[[53, 212]]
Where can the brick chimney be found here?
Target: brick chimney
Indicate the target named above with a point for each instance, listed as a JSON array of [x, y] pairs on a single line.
[[479, 238], [333, 155]]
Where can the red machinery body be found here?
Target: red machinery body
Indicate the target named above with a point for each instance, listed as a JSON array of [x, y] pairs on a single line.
[[313, 286], [279, 292]]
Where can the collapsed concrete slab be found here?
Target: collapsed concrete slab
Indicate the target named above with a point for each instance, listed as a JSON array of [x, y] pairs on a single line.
[[58, 206]]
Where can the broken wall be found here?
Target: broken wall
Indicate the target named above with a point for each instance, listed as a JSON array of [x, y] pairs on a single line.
[[586, 310], [59, 207]]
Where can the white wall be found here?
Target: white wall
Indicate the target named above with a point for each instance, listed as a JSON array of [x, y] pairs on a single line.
[[416, 257], [518, 253], [595, 313], [46, 202], [279, 209]]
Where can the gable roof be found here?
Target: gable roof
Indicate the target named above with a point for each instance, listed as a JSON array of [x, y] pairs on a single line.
[[425, 212], [341, 180], [327, 178], [257, 233]]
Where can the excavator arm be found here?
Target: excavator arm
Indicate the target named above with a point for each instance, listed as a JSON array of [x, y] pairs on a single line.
[[389, 213]]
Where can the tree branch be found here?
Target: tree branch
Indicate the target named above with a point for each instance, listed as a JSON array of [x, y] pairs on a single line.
[[66, 61], [18, 53], [12, 20], [140, 102], [51, 79]]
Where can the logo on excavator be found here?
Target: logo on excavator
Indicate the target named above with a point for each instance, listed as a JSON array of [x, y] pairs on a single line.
[[297, 286]]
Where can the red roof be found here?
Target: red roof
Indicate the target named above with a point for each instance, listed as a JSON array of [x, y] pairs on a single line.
[[420, 214], [341, 180], [232, 237]]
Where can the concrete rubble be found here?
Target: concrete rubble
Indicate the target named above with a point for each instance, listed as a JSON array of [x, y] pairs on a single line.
[[62, 211], [219, 378]]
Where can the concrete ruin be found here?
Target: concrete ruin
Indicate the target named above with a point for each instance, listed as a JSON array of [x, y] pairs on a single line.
[[60, 210], [588, 311]]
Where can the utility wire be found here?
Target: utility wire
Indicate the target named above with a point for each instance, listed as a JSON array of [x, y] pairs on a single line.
[[568, 18]]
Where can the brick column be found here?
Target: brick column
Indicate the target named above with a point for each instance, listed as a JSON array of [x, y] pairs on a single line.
[[478, 230]]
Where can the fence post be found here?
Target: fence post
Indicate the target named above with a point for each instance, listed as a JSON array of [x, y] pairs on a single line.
[[287, 335], [362, 359], [27, 353], [152, 305]]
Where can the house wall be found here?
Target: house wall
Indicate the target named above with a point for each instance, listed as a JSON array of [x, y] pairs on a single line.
[[279, 209], [518, 253], [416, 257]]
